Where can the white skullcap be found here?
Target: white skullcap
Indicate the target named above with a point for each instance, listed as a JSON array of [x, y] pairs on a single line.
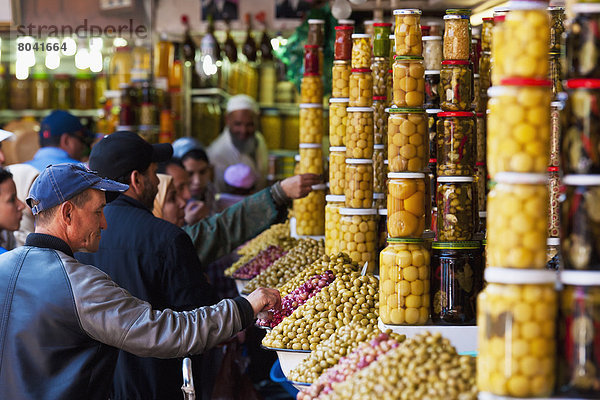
[[6, 135], [242, 102], [239, 176]]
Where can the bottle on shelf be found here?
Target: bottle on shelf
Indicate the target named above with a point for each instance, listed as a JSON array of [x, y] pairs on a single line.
[[120, 68], [164, 54], [248, 82], [188, 51], [230, 63]]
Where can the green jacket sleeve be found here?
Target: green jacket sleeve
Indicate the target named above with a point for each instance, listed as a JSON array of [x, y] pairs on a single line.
[[220, 234]]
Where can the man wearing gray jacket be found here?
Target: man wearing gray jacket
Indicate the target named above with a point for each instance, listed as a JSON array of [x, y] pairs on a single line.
[[63, 322]]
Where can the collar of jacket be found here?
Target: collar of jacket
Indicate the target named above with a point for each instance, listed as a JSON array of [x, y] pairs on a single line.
[[48, 242], [128, 201]]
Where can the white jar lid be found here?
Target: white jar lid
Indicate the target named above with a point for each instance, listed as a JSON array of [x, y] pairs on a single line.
[[360, 109], [392, 37], [426, 38], [432, 72], [358, 211], [580, 278], [434, 111], [311, 105], [382, 211], [581, 180], [450, 179], [378, 196], [316, 21], [337, 148], [553, 241], [360, 35], [386, 161], [310, 145], [476, 75], [519, 276], [407, 11], [346, 21], [339, 100], [320, 186], [297, 157], [406, 175], [379, 147], [521, 178], [359, 161], [482, 214], [527, 5], [335, 198]]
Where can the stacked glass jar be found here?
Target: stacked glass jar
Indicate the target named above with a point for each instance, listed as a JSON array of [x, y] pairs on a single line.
[[310, 211], [517, 310]]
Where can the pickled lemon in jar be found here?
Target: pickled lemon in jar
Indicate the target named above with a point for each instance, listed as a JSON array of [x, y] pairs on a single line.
[[361, 88], [311, 89], [360, 132], [310, 212], [361, 50], [332, 222], [498, 44], [404, 282], [359, 183], [408, 144], [340, 79], [409, 82], [407, 204], [338, 121], [337, 170], [407, 33], [311, 123], [358, 236], [311, 159]]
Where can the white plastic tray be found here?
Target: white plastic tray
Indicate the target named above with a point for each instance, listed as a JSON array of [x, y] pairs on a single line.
[[289, 359]]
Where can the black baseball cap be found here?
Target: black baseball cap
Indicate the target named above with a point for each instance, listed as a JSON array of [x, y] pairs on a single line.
[[121, 153]]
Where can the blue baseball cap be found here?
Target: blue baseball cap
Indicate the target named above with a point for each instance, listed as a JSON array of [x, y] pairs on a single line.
[[61, 182], [184, 145], [59, 122]]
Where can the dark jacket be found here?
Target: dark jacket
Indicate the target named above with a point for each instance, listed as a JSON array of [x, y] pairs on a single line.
[[63, 323], [157, 261]]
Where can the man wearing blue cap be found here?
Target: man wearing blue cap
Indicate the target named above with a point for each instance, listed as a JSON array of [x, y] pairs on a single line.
[[62, 140], [63, 322]]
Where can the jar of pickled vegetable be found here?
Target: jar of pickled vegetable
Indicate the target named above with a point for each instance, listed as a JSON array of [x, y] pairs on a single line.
[[358, 236], [480, 138], [338, 119], [552, 254], [457, 37], [382, 229], [407, 32], [342, 47], [432, 52], [498, 44], [481, 186], [311, 89], [456, 280], [516, 322], [332, 223], [379, 200], [337, 170], [583, 42], [359, 132], [485, 74], [310, 212], [518, 221], [556, 119], [486, 34], [404, 282], [432, 119], [61, 92], [557, 28], [379, 176], [83, 91], [380, 68], [456, 208], [316, 32], [361, 51], [578, 335], [477, 104], [518, 126], [380, 120], [311, 59], [555, 74], [432, 89], [409, 82], [407, 204], [526, 35], [407, 140], [554, 204], [475, 54], [311, 123], [381, 39], [311, 159], [359, 182], [455, 149], [580, 225], [580, 142], [19, 93], [456, 85], [340, 84], [40, 91], [361, 88]]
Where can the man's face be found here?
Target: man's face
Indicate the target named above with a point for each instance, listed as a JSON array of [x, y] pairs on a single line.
[[181, 181], [11, 208], [88, 222], [242, 125], [149, 186], [199, 172]]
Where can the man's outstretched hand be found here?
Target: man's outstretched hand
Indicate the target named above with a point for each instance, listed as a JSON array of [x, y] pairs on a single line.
[[298, 186]]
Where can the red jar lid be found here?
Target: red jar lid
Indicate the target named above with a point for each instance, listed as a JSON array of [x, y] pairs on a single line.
[[382, 24], [488, 19], [311, 46], [379, 97], [455, 62], [456, 114], [391, 71], [344, 28], [553, 169], [499, 18], [432, 160], [480, 115], [480, 164], [360, 70], [525, 82], [311, 74], [583, 83]]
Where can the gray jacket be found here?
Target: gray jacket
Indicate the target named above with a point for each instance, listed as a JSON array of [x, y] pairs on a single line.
[[62, 323]]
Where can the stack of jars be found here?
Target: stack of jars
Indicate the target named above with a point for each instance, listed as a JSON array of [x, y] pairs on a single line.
[[517, 310], [310, 211]]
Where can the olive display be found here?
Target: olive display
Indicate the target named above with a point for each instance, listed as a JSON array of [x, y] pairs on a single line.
[[455, 86], [407, 140], [361, 51], [455, 148], [361, 88], [409, 82], [340, 78], [350, 298], [311, 89], [310, 213], [338, 120], [456, 209], [359, 183], [407, 32], [406, 204], [358, 236], [259, 263], [311, 123], [380, 67], [359, 132]]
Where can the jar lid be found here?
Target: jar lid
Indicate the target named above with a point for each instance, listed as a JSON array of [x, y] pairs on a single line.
[[310, 145], [556, 8], [344, 27], [484, 242], [527, 5], [316, 21], [482, 214], [521, 178], [360, 70], [434, 111], [407, 58], [499, 18], [488, 19], [382, 211], [379, 98], [312, 74], [480, 115], [384, 24], [457, 245], [455, 11], [553, 169], [456, 114], [341, 62], [311, 105], [360, 35], [320, 186], [426, 38], [392, 37], [455, 16], [585, 8], [378, 196], [406, 175], [450, 179], [519, 276], [311, 46], [337, 148], [359, 109], [433, 161], [359, 161], [407, 11], [581, 180], [583, 83], [525, 82], [394, 110], [553, 241], [476, 76], [405, 240], [338, 198], [339, 100], [358, 211], [580, 278], [386, 161], [346, 21], [432, 72], [455, 62], [379, 147]]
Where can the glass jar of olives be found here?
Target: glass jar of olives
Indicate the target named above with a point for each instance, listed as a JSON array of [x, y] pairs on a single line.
[[556, 74], [310, 212], [578, 352], [311, 158], [359, 182], [580, 222], [432, 89], [480, 140], [361, 88], [407, 204], [407, 32], [380, 67], [456, 84], [455, 148], [332, 222], [358, 236], [407, 140], [516, 320], [432, 119], [486, 34], [311, 89], [409, 82], [456, 208], [316, 32], [456, 280], [481, 186], [337, 170], [404, 282], [583, 42]]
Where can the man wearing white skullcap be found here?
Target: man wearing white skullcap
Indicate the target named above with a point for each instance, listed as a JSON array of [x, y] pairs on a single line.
[[240, 142]]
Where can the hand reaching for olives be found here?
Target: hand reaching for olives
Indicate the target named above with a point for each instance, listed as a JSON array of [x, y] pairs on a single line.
[[299, 186], [264, 299]]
